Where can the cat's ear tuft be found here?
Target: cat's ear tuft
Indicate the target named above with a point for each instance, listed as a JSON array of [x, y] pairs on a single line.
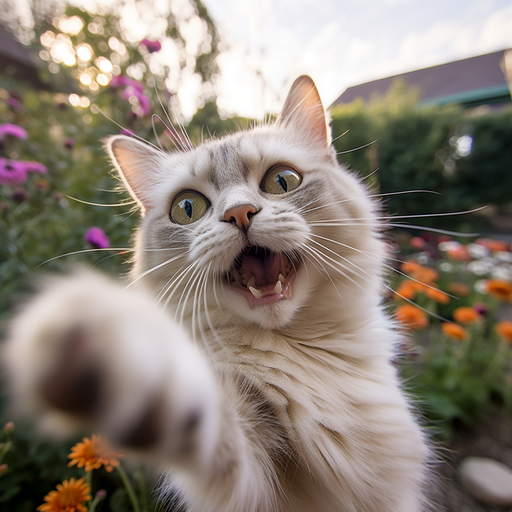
[[303, 110], [138, 165]]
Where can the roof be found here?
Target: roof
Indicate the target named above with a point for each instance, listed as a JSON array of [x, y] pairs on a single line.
[[472, 81]]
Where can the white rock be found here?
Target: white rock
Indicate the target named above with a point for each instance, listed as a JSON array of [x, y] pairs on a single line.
[[487, 480]]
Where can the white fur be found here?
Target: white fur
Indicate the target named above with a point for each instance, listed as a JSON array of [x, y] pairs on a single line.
[[301, 408]]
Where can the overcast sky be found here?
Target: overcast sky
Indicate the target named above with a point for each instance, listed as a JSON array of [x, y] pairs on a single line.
[[341, 43]]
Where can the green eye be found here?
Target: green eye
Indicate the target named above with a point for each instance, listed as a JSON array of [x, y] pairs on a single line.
[[188, 207], [281, 179]]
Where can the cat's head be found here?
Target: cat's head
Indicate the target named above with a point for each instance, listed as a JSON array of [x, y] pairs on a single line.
[[262, 226]]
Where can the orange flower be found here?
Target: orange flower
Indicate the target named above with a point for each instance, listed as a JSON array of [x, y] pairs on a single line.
[[465, 315], [425, 275], [409, 266], [93, 453], [408, 289], [459, 289], [437, 295], [499, 289], [460, 253], [504, 329], [70, 496], [417, 242], [493, 245], [411, 317], [455, 331]]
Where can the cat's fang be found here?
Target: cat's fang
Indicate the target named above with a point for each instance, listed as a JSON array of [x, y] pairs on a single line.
[[278, 287], [251, 282], [257, 294], [281, 279]]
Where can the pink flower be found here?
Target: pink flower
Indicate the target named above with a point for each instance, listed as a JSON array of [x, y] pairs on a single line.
[[34, 167], [151, 46], [124, 81], [13, 130], [142, 99], [12, 172], [97, 238]]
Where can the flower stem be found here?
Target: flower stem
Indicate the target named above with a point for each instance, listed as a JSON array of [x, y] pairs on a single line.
[[129, 488]]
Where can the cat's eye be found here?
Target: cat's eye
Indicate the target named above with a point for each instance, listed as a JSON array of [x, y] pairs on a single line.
[[281, 179], [188, 207]]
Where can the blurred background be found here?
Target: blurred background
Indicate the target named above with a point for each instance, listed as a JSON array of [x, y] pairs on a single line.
[[420, 99]]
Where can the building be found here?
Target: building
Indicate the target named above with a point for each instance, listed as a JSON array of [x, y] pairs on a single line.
[[482, 80]]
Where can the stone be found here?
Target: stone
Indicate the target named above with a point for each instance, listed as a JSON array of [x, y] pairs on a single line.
[[487, 480]]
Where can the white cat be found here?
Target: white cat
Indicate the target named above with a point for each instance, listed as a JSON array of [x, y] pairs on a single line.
[[251, 357]]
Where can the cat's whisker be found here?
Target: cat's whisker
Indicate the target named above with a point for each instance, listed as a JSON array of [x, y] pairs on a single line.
[[358, 148], [99, 204], [156, 267], [181, 127], [327, 260], [154, 129], [169, 283], [122, 249], [312, 258], [435, 230], [424, 215], [375, 195], [175, 281], [123, 128], [170, 129], [186, 292], [435, 315], [200, 278], [339, 136], [373, 257]]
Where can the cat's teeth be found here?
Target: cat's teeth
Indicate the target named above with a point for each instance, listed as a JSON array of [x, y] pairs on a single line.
[[257, 294], [251, 282], [278, 287], [281, 279]]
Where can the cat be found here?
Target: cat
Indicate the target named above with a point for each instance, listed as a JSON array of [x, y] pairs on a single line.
[[250, 356]]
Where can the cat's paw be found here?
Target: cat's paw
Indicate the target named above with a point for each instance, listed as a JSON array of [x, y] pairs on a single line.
[[85, 353]]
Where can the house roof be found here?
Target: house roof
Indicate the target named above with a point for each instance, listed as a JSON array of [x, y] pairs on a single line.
[[472, 81]]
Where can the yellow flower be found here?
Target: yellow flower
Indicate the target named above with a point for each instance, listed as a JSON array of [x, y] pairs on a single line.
[[465, 315], [504, 329], [411, 317], [92, 454], [70, 496], [455, 331]]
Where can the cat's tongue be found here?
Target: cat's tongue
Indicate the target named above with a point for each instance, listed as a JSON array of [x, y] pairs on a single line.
[[265, 270], [263, 277]]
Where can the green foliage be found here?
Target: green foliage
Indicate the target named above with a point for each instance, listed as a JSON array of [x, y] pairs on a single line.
[[422, 148]]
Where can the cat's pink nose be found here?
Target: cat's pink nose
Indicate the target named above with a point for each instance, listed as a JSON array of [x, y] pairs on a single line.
[[241, 216]]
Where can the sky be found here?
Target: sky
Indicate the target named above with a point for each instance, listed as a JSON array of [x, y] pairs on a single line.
[[339, 43]]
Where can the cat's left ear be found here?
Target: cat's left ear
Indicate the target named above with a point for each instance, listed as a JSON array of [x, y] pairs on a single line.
[[303, 110], [138, 165]]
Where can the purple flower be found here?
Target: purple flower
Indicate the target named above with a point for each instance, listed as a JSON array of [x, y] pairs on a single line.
[[12, 172], [151, 46], [13, 130], [480, 308], [126, 132], [19, 195], [124, 81], [97, 238], [69, 143], [13, 103], [34, 167], [142, 99]]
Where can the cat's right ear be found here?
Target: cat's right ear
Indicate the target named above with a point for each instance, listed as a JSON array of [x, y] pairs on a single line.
[[138, 165]]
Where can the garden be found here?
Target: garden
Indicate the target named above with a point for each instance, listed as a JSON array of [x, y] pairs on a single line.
[[442, 173]]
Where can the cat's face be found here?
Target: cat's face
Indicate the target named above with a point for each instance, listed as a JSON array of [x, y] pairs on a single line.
[[258, 226]]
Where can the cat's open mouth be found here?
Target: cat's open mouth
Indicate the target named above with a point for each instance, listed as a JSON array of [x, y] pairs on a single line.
[[262, 276]]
